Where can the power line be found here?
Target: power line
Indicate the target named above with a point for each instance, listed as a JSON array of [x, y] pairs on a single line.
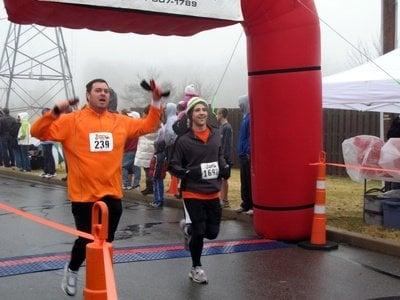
[[347, 41], [227, 65]]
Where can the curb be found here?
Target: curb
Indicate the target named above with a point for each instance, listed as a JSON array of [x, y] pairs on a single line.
[[333, 234], [363, 241]]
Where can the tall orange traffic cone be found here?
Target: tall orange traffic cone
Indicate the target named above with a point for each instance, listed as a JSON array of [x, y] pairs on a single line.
[[100, 282], [318, 231], [173, 186]]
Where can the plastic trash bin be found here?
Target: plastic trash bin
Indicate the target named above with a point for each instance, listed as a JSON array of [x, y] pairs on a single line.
[[391, 213], [373, 213]]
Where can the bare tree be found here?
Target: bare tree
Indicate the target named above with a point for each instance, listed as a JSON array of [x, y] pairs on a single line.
[[137, 96], [364, 52]]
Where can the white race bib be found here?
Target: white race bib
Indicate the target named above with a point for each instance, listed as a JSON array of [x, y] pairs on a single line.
[[209, 170], [101, 142]]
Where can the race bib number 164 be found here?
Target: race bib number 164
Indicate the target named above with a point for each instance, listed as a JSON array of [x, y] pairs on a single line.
[[209, 170]]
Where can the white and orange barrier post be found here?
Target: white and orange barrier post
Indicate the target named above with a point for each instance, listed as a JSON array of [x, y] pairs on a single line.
[[318, 232], [100, 282]]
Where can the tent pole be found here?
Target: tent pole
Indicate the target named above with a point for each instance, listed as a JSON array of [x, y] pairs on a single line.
[[381, 126]]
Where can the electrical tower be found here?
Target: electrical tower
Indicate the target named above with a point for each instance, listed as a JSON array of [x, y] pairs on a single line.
[[34, 69]]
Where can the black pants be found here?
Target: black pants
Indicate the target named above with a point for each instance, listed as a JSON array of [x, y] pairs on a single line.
[[245, 183], [49, 166], [7, 151], [206, 218], [82, 213]]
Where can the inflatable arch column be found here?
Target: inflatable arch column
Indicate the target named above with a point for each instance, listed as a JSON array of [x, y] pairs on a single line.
[[283, 46]]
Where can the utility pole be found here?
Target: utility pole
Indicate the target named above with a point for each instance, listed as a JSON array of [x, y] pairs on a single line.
[[388, 30], [388, 25]]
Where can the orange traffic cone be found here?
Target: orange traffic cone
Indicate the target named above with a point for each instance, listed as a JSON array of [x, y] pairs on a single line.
[[100, 282], [173, 186], [318, 231]]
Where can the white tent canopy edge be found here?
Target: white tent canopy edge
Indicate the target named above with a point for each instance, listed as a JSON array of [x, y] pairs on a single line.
[[366, 87]]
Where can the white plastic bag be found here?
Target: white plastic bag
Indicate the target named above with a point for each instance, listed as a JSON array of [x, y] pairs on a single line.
[[363, 150], [390, 157]]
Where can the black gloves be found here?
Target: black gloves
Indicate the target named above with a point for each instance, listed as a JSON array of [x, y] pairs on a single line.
[[193, 173], [150, 86], [225, 172], [72, 102]]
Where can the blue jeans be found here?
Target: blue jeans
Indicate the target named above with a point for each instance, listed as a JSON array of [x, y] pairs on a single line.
[[137, 174], [18, 156], [49, 165], [7, 151], [25, 161], [127, 166], [158, 190]]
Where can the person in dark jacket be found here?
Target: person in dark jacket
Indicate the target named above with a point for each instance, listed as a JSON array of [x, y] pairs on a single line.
[[7, 122], [49, 164], [393, 132], [243, 151], [14, 142], [158, 170], [226, 143], [198, 161]]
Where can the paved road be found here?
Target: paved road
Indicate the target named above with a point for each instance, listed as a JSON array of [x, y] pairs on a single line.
[[272, 271]]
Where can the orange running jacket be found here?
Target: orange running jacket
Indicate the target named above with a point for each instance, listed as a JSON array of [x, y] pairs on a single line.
[[93, 175]]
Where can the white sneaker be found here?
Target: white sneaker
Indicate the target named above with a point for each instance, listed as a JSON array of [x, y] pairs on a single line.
[[198, 275], [69, 281], [249, 212]]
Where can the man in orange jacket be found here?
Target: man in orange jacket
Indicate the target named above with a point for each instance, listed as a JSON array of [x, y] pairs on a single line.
[[93, 140]]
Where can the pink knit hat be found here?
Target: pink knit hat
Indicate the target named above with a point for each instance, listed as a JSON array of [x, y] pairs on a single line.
[[190, 90]]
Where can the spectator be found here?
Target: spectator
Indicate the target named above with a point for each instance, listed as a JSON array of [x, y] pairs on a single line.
[[182, 123], [226, 144], [49, 165], [24, 141], [243, 150], [189, 93], [158, 169], [14, 140], [170, 135], [393, 132], [113, 104], [129, 159], [7, 122], [144, 153]]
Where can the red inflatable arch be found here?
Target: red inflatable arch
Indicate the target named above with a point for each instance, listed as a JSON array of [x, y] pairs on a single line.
[[283, 46]]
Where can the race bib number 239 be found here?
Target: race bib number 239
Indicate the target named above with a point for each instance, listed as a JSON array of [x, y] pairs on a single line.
[[101, 141]]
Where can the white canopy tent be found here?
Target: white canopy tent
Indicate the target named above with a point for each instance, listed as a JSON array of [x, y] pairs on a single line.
[[373, 86]]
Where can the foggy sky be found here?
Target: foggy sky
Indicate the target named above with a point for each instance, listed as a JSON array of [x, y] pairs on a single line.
[[120, 58]]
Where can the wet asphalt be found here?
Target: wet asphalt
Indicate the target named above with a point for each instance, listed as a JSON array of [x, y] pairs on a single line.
[[285, 273]]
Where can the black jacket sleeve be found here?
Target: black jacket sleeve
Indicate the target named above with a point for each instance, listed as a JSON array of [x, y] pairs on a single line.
[[224, 167]]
